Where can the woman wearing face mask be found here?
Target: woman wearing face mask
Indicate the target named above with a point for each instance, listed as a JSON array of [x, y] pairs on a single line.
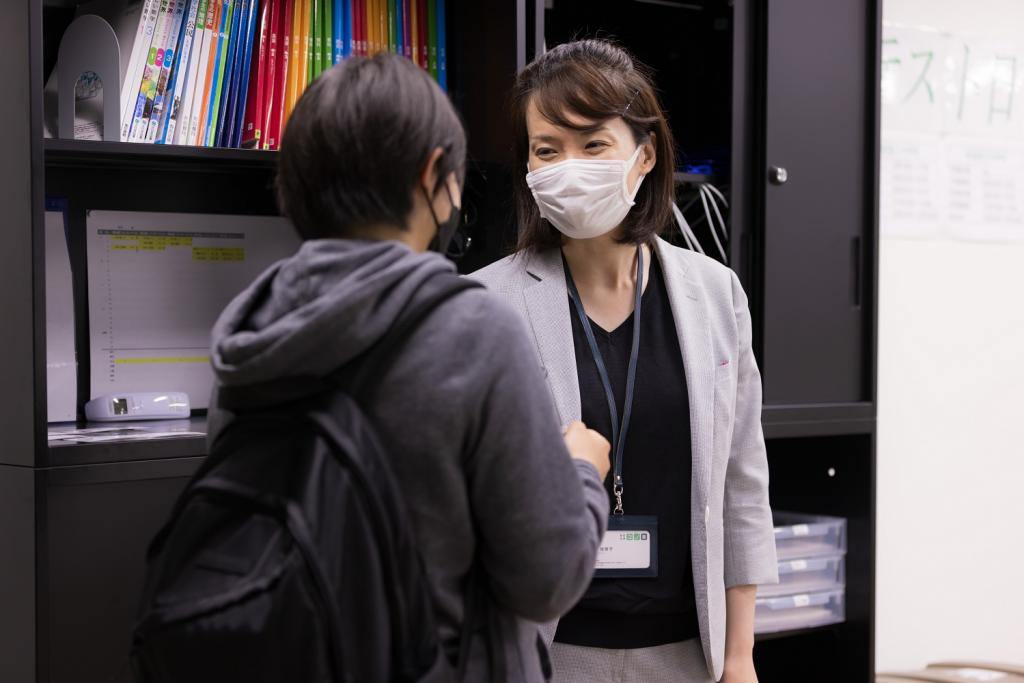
[[650, 345]]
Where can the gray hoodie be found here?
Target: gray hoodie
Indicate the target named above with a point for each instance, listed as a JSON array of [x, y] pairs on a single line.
[[464, 414]]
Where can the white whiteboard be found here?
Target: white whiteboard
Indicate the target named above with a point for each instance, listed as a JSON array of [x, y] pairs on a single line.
[[952, 157], [950, 400]]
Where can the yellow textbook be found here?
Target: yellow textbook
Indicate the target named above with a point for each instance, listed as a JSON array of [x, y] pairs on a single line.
[[294, 61], [307, 44]]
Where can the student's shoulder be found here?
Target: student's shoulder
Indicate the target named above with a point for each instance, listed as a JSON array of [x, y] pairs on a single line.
[[480, 313], [474, 339], [508, 273]]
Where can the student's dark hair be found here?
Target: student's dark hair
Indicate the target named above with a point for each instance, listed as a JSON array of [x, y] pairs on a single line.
[[356, 142], [596, 80]]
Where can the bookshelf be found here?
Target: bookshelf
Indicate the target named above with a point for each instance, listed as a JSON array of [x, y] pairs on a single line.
[[90, 153], [74, 519]]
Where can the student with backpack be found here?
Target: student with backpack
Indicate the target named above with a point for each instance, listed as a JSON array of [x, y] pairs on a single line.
[[388, 496]]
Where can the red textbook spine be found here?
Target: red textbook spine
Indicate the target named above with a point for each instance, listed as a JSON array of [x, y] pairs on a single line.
[[251, 130], [280, 98], [270, 78], [421, 20]]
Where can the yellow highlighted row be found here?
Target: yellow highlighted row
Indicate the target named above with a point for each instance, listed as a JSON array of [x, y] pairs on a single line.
[[162, 359], [218, 253], [151, 241]]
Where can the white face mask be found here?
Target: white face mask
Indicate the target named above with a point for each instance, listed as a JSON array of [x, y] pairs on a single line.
[[584, 198]]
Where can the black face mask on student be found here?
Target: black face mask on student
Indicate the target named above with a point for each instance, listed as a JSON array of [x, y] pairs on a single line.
[[445, 231]]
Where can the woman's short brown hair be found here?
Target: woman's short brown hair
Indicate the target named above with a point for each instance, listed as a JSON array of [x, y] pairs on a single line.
[[595, 80]]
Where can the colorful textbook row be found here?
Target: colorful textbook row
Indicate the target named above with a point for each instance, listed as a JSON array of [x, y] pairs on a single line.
[[227, 73]]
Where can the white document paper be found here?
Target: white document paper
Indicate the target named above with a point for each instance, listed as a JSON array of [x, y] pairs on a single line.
[[158, 282], [61, 378], [105, 434]]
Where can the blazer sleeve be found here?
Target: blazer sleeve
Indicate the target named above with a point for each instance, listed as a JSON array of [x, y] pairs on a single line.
[[750, 556]]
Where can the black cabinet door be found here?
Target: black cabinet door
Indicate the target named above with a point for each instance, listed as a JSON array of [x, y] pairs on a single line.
[[99, 521], [819, 175]]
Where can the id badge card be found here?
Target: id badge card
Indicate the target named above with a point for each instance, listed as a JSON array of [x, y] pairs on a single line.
[[629, 548]]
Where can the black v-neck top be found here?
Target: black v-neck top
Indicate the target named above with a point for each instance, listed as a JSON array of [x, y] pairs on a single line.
[[642, 612]]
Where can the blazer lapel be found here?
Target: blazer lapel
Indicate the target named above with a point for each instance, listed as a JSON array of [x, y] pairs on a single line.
[[547, 304], [688, 309]]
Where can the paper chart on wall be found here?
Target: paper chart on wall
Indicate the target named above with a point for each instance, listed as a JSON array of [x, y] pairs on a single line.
[[952, 136], [158, 282]]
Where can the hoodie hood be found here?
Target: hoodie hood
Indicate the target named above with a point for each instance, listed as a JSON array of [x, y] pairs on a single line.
[[310, 314]]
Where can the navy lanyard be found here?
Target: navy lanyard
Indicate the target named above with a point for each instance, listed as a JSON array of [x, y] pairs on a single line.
[[618, 431]]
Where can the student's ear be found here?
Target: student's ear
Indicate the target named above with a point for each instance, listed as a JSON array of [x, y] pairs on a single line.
[[649, 154], [429, 174], [455, 190]]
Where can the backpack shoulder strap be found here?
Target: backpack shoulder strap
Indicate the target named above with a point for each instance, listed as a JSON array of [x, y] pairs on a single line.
[[478, 617]]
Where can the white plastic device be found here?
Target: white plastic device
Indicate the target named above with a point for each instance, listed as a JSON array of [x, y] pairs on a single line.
[[150, 405]]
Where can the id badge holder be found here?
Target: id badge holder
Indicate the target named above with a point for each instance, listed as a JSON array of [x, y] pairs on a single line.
[[629, 548]]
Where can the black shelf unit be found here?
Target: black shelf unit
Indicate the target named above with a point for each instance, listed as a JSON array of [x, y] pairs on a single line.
[[186, 445], [96, 154], [746, 87], [751, 85]]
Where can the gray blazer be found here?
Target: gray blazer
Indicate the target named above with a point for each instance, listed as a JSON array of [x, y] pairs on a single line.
[[732, 541]]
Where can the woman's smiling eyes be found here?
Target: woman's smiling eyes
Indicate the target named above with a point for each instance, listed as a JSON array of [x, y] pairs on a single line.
[[593, 147]]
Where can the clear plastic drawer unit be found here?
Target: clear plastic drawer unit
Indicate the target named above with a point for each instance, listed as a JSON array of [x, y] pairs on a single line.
[[800, 611], [800, 536], [808, 575]]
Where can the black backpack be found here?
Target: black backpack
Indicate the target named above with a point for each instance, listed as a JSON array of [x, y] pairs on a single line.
[[289, 556]]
